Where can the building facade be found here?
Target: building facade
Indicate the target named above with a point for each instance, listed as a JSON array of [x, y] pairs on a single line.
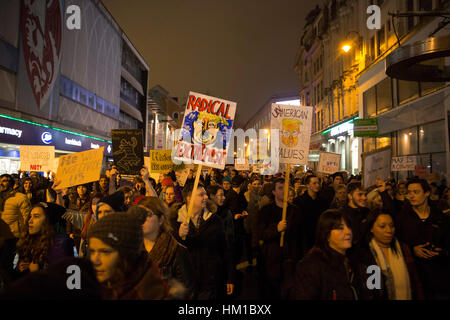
[[350, 82], [65, 86]]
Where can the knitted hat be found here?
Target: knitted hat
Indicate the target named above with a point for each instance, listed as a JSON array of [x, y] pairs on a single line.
[[226, 179], [167, 181], [120, 231], [115, 201]]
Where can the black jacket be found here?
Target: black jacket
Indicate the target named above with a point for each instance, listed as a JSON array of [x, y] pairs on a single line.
[[276, 257], [435, 229], [357, 217], [324, 276], [211, 257], [311, 209]]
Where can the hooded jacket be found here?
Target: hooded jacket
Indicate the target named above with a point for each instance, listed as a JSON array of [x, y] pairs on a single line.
[[16, 210]]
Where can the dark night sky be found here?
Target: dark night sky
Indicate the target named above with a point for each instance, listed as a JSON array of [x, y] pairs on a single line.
[[239, 50]]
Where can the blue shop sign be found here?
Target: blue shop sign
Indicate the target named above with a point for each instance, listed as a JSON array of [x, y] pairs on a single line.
[[24, 133]]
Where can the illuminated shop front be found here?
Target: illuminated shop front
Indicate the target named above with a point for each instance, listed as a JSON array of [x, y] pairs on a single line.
[[16, 132]]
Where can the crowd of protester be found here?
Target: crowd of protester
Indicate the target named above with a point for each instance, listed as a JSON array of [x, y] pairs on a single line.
[[134, 239]]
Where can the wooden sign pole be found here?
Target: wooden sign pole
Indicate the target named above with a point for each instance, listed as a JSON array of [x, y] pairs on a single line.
[[194, 191], [286, 193]]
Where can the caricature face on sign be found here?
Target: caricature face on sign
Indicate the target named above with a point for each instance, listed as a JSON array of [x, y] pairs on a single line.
[[205, 130], [290, 132]]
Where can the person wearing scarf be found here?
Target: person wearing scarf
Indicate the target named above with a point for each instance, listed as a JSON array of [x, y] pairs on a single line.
[[163, 250], [399, 277]]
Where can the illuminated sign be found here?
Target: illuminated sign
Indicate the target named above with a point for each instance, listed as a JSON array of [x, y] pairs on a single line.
[[11, 132], [73, 142], [94, 146], [342, 128], [46, 137]]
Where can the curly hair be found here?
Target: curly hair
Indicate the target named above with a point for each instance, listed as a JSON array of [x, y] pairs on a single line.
[[35, 247]]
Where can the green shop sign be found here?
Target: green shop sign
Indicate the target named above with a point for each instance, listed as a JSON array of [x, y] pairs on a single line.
[[365, 127]]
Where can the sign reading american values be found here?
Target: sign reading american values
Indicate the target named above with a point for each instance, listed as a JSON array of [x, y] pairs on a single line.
[[294, 125], [36, 158], [79, 168], [405, 163], [329, 162], [205, 131]]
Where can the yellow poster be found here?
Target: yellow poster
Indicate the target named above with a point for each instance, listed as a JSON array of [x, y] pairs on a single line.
[[79, 168], [36, 158], [160, 161]]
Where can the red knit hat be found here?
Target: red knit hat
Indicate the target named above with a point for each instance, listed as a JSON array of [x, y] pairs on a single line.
[[167, 182]]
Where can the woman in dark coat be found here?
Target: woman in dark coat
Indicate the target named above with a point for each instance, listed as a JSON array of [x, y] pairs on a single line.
[[399, 276], [325, 273], [164, 250]]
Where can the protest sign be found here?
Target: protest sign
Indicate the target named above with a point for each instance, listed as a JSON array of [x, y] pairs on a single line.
[[128, 151], [79, 168], [405, 163], [160, 161], [182, 176], [376, 165], [294, 125], [244, 166], [329, 162], [206, 131], [36, 158]]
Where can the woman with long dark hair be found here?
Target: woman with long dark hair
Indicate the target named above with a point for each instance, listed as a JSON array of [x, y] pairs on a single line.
[[400, 280], [43, 244], [164, 250], [325, 272]]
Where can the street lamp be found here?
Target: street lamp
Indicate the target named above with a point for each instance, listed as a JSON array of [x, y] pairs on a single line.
[[346, 47]]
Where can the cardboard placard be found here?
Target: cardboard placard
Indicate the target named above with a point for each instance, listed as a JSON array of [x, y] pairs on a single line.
[[160, 161], [128, 151], [329, 163], [79, 168], [405, 163], [182, 176], [376, 165], [294, 125], [206, 131], [36, 158]]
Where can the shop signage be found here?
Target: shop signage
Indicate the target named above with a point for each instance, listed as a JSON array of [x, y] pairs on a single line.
[[342, 128], [26, 133], [365, 127]]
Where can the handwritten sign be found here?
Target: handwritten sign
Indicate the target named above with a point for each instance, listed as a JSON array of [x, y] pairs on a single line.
[[294, 125], [160, 161], [405, 163], [242, 165], [329, 162], [206, 131], [376, 165], [36, 158], [182, 176], [128, 152], [79, 168]]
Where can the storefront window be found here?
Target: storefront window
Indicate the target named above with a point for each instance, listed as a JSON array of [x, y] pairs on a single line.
[[370, 102], [432, 137], [424, 160], [394, 143], [438, 163], [407, 141], [383, 142], [369, 144], [407, 90]]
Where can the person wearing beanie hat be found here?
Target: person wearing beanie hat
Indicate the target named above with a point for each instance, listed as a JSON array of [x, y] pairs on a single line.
[[43, 244], [110, 204], [116, 250]]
